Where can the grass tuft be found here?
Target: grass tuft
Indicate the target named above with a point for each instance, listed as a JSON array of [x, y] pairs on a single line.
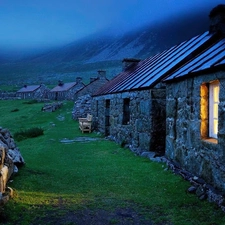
[[33, 101], [14, 110], [28, 133]]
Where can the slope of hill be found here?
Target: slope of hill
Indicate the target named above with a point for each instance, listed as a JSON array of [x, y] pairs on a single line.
[[103, 51]]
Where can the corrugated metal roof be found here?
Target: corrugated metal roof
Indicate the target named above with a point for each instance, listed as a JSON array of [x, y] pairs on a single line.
[[30, 88], [152, 70], [211, 57], [64, 87]]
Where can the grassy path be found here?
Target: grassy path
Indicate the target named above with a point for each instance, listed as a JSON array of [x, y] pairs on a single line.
[[92, 182]]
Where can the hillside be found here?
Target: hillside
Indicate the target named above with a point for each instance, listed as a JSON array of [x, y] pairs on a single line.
[[102, 51]]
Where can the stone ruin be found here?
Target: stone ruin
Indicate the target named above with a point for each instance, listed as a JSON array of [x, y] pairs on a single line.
[[82, 107], [51, 107], [10, 158]]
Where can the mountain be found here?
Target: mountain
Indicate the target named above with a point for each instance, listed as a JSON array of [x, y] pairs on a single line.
[[103, 50]]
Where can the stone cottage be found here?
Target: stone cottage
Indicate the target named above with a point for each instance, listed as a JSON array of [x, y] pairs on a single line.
[[66, 91], [195, 134], [83, 98], [94, 85], [131, 108], [32, 92]]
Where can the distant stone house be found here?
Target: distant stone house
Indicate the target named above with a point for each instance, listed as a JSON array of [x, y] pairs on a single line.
[[32, 92], [95, 84], [66, 91], [83, 98], [195, 134]]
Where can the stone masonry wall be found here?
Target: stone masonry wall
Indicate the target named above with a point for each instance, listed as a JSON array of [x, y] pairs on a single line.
[[82, 107], [184, 144], [146, 128]]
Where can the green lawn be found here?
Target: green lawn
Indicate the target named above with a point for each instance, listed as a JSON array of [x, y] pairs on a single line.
[[95, 177]]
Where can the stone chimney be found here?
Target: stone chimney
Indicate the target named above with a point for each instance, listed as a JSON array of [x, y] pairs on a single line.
[[129, 62], [78, 80], [101, 74], [217, 19], [60, 83]]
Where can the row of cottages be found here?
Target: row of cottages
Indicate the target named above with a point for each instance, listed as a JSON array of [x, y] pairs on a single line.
[[173, 103], [66, 91], [63, 91]]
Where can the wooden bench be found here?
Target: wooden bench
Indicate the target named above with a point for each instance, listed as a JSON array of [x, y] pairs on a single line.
[[85, 123]]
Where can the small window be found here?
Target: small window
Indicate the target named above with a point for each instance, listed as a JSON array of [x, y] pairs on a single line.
[[213, 109], [97, 108], [209, 109], [126, 111]]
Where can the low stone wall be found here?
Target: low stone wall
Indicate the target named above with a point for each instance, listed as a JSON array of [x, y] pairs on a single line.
[[51, 107], [10, 158], [82, 107], [5, 95]]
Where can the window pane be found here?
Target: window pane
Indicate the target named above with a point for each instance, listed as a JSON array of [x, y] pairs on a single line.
[[216, 94], [215, 111], [213, 106], [215, 131]]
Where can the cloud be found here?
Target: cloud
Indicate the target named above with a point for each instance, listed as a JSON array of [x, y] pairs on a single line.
[[41, 23]]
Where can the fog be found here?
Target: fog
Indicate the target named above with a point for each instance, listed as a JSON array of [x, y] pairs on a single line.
[[39, 24]]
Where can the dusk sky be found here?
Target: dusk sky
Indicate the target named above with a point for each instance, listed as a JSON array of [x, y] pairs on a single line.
[[48, 23]]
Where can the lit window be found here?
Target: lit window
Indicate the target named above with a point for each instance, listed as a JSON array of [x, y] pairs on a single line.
[[209, 109], [213, 109]]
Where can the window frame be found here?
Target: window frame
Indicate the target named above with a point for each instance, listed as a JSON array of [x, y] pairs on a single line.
[[208, 113], [213, 108]]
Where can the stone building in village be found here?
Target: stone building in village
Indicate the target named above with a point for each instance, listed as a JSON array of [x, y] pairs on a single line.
[[131, 108], [195, 136], [94, 85], [66, 91], [83, 98], [33, 92]]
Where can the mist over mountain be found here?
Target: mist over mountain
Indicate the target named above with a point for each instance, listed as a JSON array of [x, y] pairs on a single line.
[[104, 50]]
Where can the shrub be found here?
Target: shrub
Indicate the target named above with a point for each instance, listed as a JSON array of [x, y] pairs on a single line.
[[28, 133], [15, 110], [33, 101]]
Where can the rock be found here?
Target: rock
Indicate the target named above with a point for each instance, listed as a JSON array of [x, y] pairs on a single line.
[[16, 156], [51, 107], [192, 189], [200, 192]]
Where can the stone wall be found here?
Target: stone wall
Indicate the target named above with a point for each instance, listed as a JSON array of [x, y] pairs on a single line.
[[184, 143], [5, 95], [145, 130], [42, 92], [82, 107], [10, 158]]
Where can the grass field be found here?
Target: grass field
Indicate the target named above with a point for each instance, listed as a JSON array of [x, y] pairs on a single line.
[[91, 182]]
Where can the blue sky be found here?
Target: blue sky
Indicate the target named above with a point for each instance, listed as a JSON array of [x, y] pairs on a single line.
[[34, 24]]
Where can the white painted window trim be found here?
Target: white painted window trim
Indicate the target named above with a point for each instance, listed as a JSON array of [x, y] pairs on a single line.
[[213, 108]]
